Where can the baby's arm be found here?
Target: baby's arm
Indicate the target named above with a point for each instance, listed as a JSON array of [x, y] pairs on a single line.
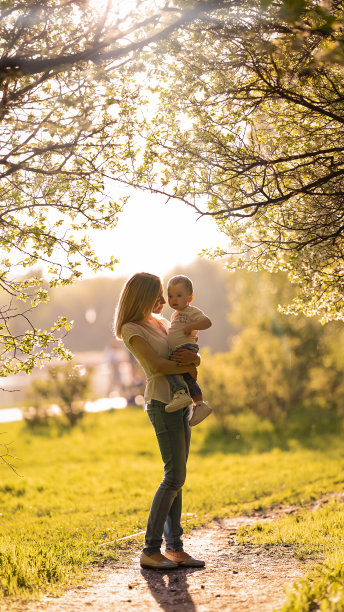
[[201, 323]]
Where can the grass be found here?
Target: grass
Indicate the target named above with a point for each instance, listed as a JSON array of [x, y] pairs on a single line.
[[83, 489], [317, 532]]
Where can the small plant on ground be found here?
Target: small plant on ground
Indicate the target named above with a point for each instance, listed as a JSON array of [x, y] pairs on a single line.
[[66, 386]]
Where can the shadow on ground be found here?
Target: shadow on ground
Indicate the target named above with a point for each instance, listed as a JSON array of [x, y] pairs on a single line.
[[163, 585]]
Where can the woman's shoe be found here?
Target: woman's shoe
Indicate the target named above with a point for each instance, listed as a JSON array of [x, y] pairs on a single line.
[[183, 559], [157, 561]]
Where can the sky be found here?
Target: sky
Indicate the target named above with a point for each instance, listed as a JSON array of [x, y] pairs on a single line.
[[152, 235], [155, 236]]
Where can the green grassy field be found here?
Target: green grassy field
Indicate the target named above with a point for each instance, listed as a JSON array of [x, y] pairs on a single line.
[[81, 490]]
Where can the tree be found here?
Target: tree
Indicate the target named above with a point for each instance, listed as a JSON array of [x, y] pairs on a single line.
[[65, 128], [70, 79], [249, 130], [278, 366]]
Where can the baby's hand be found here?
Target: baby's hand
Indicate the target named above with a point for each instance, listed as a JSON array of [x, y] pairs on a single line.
[[188, 329]]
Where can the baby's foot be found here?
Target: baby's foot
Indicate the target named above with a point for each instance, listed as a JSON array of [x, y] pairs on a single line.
[[181, 399], [201, 411]]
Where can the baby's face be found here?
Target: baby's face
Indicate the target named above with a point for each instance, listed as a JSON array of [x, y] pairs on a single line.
[[178, 296]]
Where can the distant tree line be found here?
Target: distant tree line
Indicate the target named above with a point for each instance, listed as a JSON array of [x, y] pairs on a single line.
[[90, 304]]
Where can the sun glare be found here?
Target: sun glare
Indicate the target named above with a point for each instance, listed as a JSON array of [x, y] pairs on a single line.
[[118, 8]]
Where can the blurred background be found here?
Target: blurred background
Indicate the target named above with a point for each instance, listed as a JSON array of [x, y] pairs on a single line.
[[254, 360], [112, 371]]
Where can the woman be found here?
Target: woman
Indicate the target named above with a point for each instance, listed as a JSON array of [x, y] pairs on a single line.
[[145, 336]]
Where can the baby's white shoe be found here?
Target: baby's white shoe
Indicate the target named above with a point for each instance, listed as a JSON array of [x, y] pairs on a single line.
[[201, 411], [181, 399]]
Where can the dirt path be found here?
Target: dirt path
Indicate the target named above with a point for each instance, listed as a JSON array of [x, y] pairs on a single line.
[[236, 578]]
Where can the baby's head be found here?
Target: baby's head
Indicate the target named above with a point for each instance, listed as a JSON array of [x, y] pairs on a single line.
[[180, 292]]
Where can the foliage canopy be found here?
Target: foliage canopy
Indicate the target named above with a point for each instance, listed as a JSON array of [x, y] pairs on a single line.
[[261, 85], [65, 131], [249, 130]]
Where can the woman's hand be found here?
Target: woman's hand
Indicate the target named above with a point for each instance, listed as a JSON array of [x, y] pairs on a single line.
[[159, 364], [185, 357]]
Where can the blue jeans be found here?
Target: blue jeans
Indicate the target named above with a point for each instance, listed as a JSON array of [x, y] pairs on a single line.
[[173, 434], [176, 381]]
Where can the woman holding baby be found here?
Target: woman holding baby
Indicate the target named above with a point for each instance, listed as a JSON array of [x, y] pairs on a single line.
[[145, 333]]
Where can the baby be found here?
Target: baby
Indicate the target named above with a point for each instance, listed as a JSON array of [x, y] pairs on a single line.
[[186, 321]]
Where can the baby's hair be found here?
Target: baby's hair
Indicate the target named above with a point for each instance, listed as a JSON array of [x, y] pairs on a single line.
[[180, 278]]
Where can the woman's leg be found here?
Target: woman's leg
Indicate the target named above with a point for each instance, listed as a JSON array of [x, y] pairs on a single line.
[[173, 434], [173, 530]]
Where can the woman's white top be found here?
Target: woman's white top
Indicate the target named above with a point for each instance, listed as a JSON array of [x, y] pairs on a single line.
[[157, 386]]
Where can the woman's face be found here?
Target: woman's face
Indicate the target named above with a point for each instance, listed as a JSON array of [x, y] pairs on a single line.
[[159, 304]]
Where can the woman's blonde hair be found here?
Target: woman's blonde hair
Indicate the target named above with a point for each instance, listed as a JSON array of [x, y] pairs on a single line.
[[137, 299]]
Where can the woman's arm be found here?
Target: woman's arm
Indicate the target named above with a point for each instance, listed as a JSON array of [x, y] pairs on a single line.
[[185, 357], [157, 363]]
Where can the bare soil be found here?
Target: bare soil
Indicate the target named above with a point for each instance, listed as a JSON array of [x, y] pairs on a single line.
[[236, 578]]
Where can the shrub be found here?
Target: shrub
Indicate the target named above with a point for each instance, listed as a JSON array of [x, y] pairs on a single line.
[[254, 376], [66, 386], [270, 375]]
